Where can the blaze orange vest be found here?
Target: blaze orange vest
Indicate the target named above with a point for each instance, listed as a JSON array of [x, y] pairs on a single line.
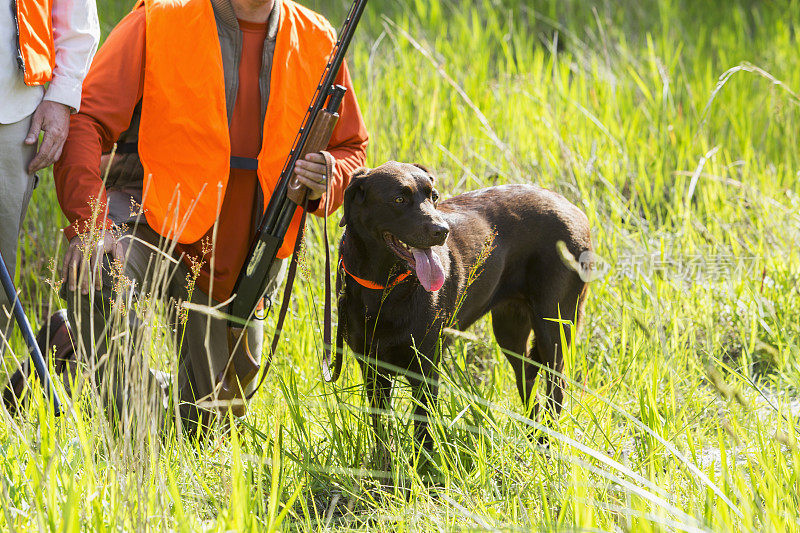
[[36, 47], [184, 141]]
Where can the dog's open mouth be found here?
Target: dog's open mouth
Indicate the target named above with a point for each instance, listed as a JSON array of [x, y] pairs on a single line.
[[423, 261]]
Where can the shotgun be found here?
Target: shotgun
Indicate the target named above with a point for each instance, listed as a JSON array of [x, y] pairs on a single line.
[[36, 355]]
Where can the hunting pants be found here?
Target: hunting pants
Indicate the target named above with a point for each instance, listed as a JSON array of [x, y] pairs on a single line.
[[118, 340], [16, 188]]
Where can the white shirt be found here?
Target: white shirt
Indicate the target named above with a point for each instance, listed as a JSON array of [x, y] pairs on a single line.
[[76, 33]]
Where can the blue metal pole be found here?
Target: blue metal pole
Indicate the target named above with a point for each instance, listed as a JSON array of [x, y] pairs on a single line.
[[25, 326]]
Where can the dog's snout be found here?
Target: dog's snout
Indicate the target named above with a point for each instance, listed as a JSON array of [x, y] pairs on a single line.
[[439, 232]]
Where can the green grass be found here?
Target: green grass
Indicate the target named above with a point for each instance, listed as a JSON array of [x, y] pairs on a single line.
[[683, 407]]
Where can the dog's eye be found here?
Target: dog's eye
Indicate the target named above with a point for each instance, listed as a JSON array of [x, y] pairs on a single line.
[[435, 196], [399, 199]]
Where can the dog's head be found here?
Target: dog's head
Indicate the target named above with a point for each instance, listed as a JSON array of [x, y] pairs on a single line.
[[395, 204]]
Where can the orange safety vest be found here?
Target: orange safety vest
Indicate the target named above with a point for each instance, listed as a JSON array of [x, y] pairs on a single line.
[[37, 52], [184, 141]]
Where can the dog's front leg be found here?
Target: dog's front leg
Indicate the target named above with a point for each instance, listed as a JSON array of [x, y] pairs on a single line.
[[379, 391], [425, 393]]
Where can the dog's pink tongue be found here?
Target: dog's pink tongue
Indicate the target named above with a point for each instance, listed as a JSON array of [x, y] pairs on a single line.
[[429, 269]]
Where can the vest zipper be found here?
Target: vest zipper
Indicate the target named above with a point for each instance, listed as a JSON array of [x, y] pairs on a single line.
[[20, 59]]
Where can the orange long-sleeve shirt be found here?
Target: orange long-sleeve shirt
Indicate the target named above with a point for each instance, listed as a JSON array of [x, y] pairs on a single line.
[[112, 90]]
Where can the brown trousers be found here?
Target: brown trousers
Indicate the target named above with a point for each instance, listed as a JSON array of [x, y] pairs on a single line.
[[137, 321]]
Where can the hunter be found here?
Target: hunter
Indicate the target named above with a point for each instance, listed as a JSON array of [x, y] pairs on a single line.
[[203, 99], [45, 50]]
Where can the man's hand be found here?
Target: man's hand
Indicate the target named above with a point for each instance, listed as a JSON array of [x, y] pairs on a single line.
[[53, 119], [84, 261], [312, 172]]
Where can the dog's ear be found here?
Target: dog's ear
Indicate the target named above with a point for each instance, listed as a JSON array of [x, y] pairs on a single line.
[[354, 192], [427, 171]]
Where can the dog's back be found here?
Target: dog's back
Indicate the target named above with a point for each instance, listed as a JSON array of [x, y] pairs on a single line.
[[510, 233]]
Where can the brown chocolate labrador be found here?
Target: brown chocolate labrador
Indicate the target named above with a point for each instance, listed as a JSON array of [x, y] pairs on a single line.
[[412, 265]]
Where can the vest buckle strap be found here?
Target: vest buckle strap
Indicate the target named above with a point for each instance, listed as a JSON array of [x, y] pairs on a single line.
[[244, 163]]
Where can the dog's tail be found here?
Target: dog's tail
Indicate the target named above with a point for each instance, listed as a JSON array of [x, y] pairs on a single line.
[[581, 304], [589, 267]]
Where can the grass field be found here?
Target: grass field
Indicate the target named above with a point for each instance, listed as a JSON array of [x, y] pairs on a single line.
[[675, 126]]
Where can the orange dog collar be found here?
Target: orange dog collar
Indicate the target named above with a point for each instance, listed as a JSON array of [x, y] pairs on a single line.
[[371, 284]]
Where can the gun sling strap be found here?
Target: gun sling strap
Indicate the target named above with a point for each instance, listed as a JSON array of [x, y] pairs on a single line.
[[328, 374]]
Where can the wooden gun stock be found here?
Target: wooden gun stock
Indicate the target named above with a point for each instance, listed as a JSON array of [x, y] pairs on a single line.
[[319, 137]]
